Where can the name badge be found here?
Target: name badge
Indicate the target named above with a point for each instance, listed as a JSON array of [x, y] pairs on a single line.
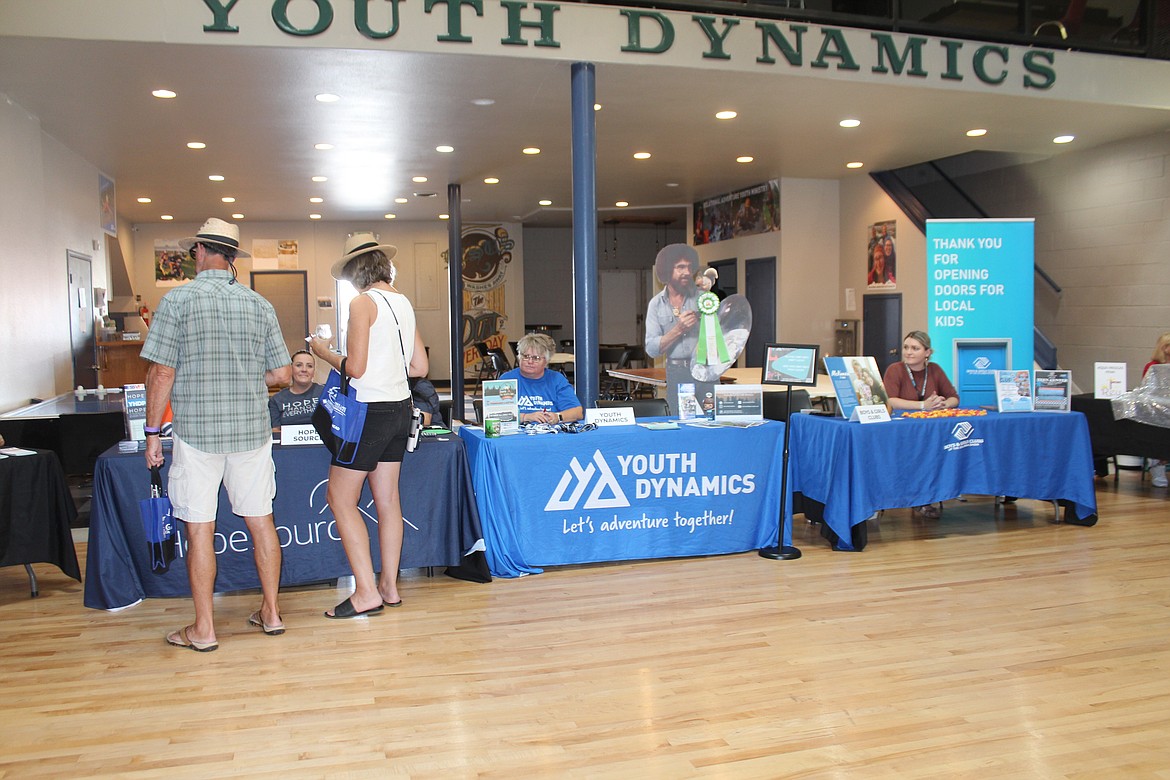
[[298, 434], [618, 415], [871, 414]]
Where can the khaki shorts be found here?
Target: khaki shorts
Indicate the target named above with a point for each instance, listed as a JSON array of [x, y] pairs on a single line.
[[195, 477]]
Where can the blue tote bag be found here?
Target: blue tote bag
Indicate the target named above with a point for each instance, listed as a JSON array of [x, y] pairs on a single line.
[[340, 416], [158, 524]]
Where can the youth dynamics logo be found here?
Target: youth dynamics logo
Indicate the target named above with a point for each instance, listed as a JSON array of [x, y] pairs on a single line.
[[605, 494]]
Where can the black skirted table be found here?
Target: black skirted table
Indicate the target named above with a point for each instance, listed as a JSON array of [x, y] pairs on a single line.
[[1112, 437], [442, 524], [35, 514]]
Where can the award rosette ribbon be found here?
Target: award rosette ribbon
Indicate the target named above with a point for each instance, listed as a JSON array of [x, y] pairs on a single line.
[[712, 347]]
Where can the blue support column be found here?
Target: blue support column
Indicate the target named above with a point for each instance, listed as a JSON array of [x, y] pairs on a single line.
[[455, 290], [585, 279]]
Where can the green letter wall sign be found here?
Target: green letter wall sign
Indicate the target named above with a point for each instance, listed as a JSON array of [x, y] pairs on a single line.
[[324, 18], [220, 12]]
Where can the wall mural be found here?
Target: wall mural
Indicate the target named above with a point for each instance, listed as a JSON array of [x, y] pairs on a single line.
[[487, 251]]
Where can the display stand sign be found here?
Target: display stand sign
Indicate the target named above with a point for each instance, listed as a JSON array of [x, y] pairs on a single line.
[[292, 435], [134, 397], [1108, 380], [856, 383], [980, 293], [500, 403], [1053, 391], [1013, 391], [604, 418]]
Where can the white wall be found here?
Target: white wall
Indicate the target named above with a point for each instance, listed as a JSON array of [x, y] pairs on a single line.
[[48, 205]]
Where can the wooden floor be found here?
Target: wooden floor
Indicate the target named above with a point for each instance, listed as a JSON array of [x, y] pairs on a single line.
[[991, 643]]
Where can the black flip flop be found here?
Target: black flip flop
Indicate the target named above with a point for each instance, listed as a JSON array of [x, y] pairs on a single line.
[[345, 610]]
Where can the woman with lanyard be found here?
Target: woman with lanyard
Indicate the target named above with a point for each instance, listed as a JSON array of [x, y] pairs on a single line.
[[917, 385], [383, 348]]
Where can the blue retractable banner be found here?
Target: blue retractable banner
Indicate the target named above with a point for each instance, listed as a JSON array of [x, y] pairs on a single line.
[[980, 300]]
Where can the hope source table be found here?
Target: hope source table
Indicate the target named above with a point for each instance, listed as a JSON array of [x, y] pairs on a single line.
[[855, 469], [625, 493], [442, 524]]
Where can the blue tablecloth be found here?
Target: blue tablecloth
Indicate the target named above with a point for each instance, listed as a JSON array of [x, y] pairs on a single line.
[[442, 524], [624, 493], [855, 469]]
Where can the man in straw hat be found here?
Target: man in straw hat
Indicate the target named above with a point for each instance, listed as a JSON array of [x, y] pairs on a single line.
[[213, 348]]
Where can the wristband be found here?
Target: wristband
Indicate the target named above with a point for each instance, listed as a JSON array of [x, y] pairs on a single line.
[[924, 406], [153, 433], [559, 418], [148, 429]]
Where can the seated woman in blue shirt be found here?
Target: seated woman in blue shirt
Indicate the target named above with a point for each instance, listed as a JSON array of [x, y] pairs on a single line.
[[544, 395]]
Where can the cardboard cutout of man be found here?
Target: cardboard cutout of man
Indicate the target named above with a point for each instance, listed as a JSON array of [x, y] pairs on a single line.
[[672, 320]]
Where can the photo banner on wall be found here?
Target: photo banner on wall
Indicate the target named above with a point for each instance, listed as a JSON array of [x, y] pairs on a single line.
[[487, 251], [745, 212], [980, 300]]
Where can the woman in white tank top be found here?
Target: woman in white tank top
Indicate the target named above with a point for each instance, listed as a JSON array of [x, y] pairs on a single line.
[[383, 348]]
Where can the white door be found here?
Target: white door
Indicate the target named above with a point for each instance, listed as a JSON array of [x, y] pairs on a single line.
[[623, 307]]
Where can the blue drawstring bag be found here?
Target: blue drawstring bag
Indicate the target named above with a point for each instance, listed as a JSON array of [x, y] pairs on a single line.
[[159, 524], [340, 417]]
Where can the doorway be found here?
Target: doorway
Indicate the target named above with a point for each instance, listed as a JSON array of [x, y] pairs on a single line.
[[759, 284], [81, 335], [288, 292], [881, 328]]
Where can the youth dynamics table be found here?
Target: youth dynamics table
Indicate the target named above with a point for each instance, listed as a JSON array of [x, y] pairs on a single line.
[[855, 469], [625, 493], [442, 524]]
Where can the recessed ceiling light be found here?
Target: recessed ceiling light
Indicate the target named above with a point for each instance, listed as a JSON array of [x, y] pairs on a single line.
[[215, 177], [322, 147], [144, 200], [545, 202], [854, 164], [491, 180], [419, 179], [390, 216], [621, 204], [744, 159], [320, 178], [166, 217], [402, 200], [672, 184], [327, 97], [444, 149], [316, 200], [228, 200], [531, 150], [483, 102], [725, 115], [444, 216], [1063, 139], [850, 123], [165, 94], [596, 106], [641, 155], [196, 145], [237, 216], [314, 216], [977, 132]]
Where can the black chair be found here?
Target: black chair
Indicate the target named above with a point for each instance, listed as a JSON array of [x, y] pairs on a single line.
[[477, 404], [499, 362], [446, 411], [607, 358], [643, 407], [776, 404]]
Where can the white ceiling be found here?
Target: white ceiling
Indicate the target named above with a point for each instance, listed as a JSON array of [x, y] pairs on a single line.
[[255, 110]]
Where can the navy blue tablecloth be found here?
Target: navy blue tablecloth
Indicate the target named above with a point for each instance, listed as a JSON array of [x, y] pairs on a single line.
[[625, 493], [442, 524], [855, 469]]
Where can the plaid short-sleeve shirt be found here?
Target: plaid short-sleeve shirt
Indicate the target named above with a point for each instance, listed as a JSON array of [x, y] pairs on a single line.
[[220, 338]]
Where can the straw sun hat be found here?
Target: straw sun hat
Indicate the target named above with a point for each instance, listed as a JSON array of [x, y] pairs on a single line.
[[359, 244], [216, 231]]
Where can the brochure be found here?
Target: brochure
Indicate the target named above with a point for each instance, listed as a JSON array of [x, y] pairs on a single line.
[[1053, 391], [688, 405], [1108, 380], [1013, 391], [856, 383], [501, 403]]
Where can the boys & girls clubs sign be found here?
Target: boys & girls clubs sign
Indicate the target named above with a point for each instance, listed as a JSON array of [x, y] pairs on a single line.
[[980, 300]]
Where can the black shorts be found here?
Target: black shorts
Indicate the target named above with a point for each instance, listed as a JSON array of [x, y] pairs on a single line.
[[383, 437]]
